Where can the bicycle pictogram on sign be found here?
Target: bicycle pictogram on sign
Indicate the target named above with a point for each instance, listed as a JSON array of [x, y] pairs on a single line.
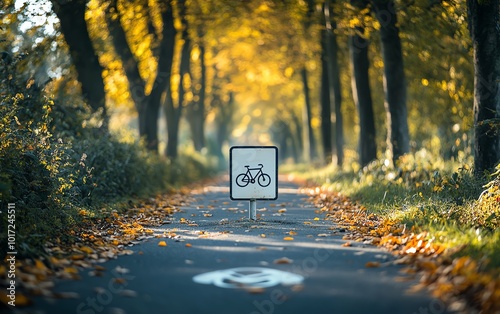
[[263, 179]]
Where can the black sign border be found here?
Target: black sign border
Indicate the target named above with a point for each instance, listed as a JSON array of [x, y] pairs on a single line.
[[231, 179]]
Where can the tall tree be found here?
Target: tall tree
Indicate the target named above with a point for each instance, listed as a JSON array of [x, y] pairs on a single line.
[[147, 105], [308, 133], [326, 111], [195, 111], [334, 88], [223, 103], [71, 15], [174, 113], [398, 138], [361, 91], [483, 26]]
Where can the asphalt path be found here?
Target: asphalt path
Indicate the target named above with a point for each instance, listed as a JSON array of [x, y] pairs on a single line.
[[218, 261]]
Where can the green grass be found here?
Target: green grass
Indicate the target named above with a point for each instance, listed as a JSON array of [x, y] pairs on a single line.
[[443, 198]]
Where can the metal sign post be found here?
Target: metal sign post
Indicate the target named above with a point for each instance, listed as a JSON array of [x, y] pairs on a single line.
[[252, 211], [253, 175]]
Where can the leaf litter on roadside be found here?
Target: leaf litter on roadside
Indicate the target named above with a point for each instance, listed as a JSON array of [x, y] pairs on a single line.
[[96, 241], [459, 281]]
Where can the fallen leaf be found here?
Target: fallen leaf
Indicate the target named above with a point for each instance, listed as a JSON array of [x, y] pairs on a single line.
[[86, 249], [292, 232], [255, 290], [77, 257], [283, 260], [372, 264], [288, 238], [70, 270], [162, 243], [126, 252], [347, 244], [189, 245], [99, 267], [297, 288], [21, 299]]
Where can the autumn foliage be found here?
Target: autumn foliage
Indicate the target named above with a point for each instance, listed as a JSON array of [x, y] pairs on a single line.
[[442, 229]]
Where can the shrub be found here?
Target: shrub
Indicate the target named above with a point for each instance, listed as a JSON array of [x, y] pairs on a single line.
[[53, 163]]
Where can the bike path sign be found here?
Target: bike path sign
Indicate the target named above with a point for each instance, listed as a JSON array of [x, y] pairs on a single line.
[[253, 172]]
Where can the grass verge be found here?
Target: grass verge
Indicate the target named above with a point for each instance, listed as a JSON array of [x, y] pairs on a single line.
[[433, 211]]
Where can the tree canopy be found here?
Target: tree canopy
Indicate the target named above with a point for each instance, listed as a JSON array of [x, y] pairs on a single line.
[[236, 70]]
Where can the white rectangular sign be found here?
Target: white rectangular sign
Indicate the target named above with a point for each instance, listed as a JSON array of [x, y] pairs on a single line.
[[253, 172]]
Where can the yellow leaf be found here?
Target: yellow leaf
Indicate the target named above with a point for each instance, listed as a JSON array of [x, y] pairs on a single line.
[[162, 243], [292, 232], [77, 257], [372, 264], [307, 222], [70, 270], [21, 299], [288, 238], [86, 249], [283, 260], [346, 244], [316, 218], [40, 265], [189, 245], [262, 235], [282, 210], [297, 288]]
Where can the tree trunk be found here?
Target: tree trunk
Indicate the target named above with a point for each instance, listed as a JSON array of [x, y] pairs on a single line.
[[358, 47], [147, 106], [335, 95], [172, 128], [483, 26], [297, 138], [161, 86], [223, 120], [326, 112], [174, 113], [398, 138], [71, 15], [309, 142], [361, 92], [196, 111], [129, 62]]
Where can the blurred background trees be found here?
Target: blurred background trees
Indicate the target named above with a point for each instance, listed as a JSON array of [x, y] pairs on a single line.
[[319, 79]]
